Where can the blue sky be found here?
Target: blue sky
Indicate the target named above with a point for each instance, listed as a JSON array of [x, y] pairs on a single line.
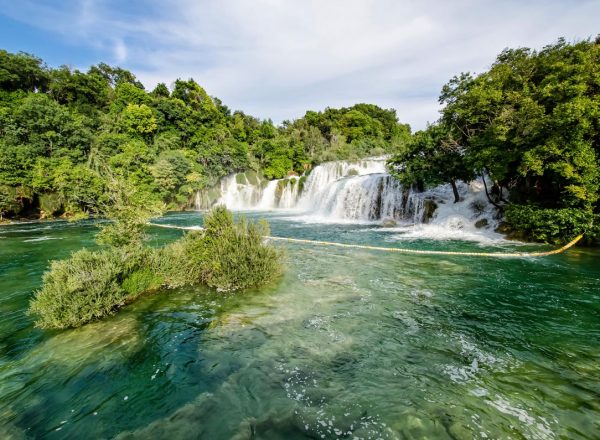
[[279, 58]]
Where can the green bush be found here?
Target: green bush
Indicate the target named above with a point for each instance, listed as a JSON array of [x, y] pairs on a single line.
[[227, 256], [550, 225], [50, 203], [83, 288], [235, 255], [89, 285]]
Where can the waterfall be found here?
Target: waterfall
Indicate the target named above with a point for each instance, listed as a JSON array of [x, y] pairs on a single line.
[[342, 190], [360, 191], [238, 194], [198, 201], [289, 194], [325, 174], [267, 200]]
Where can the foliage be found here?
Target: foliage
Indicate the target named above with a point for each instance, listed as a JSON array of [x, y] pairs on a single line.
[[93, 284], [129, 212], [85, 287], [550, 225], [22, 71], [431, 158], [225, 255], [530, 123], [235, 256], [59, 127], [138, 119]]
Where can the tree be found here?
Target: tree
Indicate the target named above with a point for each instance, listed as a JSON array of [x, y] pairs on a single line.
[[22, 71], [196, 97], [139, 119], [532, 122], [86, 91], [431, 158], [115, 75], [161, 91]]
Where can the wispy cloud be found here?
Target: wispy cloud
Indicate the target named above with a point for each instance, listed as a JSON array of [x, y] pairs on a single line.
[[277, 58]]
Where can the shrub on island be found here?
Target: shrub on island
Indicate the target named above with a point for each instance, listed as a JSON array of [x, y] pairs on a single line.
[[90, 285]]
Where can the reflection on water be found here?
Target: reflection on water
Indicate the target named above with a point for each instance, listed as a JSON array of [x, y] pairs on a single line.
[[349, 344]]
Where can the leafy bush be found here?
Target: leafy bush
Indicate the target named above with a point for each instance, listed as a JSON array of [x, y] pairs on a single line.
[[89, 285], [550, 225], [235, 255], [226, 255], [83, 288]]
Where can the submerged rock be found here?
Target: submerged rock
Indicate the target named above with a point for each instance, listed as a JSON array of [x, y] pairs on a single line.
[[388, 222]]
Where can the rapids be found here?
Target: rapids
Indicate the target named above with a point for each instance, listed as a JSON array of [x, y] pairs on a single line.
[[348, 344]]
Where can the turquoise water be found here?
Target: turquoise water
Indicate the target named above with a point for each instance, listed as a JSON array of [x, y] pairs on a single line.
[[348, 344]]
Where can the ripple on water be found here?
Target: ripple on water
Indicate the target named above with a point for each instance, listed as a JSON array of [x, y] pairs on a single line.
[[347, 344], [43, 238]]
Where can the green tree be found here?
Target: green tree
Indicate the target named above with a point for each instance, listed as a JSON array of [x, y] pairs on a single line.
[[161, 91], [22, 71], [431, 158], [139, 119], [531, 121]]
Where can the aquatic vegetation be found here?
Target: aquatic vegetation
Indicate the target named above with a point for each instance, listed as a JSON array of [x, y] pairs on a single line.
[[225, 255], [89, 285]]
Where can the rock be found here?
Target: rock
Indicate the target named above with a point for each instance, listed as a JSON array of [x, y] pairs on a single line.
[[388, 223], [481, 223], [429, 207], [50, 205], [503, 228]]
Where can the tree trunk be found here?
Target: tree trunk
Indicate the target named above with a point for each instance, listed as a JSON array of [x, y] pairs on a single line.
[[455, 191], [487, 194]]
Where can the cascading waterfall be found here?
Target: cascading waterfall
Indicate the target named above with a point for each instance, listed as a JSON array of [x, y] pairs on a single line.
[[238, 195], [267, 199], [198, 201], [360, 191], [289, 194], [367, 197]]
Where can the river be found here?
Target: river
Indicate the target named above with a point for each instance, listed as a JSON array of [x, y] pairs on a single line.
[[349, 343]]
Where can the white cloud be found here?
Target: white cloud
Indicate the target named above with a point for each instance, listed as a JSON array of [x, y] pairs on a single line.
[[278, 58], [120, 51]]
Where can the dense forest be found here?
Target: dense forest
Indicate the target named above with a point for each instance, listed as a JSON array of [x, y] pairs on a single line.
[[532, 124], [64, 132]]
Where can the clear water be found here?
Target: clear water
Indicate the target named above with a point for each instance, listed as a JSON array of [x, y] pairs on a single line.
[[349, 344]]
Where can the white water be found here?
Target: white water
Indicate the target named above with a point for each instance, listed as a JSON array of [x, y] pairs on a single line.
[[289, 195], [456, 221], [363, 191], [237, 196], [267, 199]]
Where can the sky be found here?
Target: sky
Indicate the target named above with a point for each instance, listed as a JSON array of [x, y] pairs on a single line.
[[278, 58]]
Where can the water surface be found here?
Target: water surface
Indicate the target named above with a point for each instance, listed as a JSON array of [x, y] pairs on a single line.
[[348, 344]]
